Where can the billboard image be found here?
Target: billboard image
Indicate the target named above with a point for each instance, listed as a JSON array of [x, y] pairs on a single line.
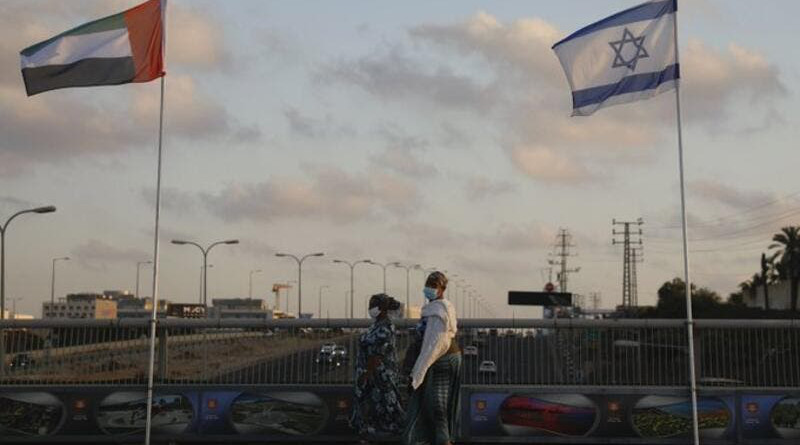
[[125, 413], [282, 413], [785, 418], [571, 415], [30, 414], [665, 416]]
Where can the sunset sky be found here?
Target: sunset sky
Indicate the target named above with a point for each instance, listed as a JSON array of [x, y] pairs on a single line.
[[436, 133]]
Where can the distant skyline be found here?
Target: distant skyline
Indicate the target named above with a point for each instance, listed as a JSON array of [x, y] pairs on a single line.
[[423, 133]]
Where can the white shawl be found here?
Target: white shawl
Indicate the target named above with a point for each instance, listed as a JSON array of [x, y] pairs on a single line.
[[440, 330]]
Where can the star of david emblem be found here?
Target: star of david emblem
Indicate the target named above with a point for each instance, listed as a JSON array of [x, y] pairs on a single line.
[[619, 46]]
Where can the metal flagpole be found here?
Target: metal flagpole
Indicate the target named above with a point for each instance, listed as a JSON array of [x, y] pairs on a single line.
[[688, 285], [154, 312]]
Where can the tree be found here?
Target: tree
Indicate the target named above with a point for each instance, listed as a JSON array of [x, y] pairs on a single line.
[[672, 299], [765, 266], [787, 259]]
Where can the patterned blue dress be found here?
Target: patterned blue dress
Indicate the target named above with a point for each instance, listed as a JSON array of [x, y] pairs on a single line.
[[376, 408]]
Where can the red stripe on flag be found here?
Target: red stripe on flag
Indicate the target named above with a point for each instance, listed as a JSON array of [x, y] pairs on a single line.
[[146, 33]]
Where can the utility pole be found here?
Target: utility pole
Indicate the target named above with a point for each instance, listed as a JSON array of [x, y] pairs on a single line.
[[629, 237], [636, 257], [562, 246], [595, 297]]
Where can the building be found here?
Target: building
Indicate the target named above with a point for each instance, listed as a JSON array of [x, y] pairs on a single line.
[[239, 308], [779, 296], [86, 305], [140, 307], [9, 315]]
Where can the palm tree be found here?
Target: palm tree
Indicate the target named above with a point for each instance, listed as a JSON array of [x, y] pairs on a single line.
[[787, 257], [764, 281]]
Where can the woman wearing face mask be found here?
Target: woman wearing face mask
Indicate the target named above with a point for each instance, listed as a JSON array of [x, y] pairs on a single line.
[[436, 375], [376, 409]]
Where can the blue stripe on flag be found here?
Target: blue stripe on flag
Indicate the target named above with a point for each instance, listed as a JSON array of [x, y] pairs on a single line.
[[629, 84], [645, 11]]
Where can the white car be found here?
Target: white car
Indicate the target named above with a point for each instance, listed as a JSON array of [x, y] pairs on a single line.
[[487, 367], [471, 351]]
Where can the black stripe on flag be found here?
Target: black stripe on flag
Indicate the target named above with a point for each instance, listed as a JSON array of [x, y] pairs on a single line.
[[83, 73]]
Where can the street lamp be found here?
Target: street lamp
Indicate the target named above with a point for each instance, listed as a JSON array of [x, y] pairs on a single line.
[[299, 276], [382, 266], [14, 307], [139, 265], [319, 303], [205, 260], [250, 283], [408, 279], [53, 281], [3, 230], [200, 293], [352, 267]]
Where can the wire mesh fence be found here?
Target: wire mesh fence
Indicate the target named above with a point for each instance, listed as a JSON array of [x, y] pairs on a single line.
[[323, 352]]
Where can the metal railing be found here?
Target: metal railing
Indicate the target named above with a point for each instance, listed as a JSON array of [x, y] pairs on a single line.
[[730, 353]]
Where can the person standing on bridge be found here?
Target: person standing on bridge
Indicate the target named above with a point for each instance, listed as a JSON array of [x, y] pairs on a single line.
[[377, 410], [436, 375]]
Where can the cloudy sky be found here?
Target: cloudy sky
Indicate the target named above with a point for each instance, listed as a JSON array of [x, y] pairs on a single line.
[[432, 133]]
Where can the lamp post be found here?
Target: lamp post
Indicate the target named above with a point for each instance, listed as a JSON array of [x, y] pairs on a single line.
[[3, 230], [299, 276], [250, 283], [138, 267], [408, 279], [205, 260], [200, 293], [53, 281], [14, 307], [466, 299], [352, 268], [319, 302], [382, 266]]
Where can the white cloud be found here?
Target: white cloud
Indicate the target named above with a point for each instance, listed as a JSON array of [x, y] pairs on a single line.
[[402, 154], [315, 128], [717, 192], [714, 81], [518, 89], [479, 188], [90, 123], [391, 73], [329, 193], [545, 164], [96, 254]]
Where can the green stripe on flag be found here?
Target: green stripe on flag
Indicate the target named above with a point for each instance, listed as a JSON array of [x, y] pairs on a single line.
[[115, 21]]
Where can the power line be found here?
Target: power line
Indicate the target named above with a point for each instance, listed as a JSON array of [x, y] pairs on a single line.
[[719, 220]]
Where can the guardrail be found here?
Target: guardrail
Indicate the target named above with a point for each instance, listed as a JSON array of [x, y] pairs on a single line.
[[730, 353]]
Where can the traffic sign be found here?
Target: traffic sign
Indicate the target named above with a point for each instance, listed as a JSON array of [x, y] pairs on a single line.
[[549, 287], [525, 298]]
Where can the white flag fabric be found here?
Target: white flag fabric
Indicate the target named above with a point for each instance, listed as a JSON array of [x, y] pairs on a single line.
[[623, 58]]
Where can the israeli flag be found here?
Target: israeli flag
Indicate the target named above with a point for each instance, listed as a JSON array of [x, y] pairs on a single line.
[[623, 58]]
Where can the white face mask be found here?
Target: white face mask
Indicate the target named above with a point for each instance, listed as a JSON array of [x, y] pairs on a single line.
[[374, 312]]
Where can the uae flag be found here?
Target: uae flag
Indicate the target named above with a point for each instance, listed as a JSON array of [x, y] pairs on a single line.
[[122, 48]]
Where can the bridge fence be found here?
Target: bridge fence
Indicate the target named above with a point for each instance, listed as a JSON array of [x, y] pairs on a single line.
[[619, 353]]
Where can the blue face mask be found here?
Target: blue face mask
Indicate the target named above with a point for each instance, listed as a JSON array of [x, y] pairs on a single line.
[[430, 294]]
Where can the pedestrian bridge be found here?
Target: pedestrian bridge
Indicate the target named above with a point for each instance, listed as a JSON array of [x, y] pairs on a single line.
[[554, 381]]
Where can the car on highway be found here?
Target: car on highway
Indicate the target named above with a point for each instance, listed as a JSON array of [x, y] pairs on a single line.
[[340, 352], [21, 361], [471, 351], [487, 367]]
